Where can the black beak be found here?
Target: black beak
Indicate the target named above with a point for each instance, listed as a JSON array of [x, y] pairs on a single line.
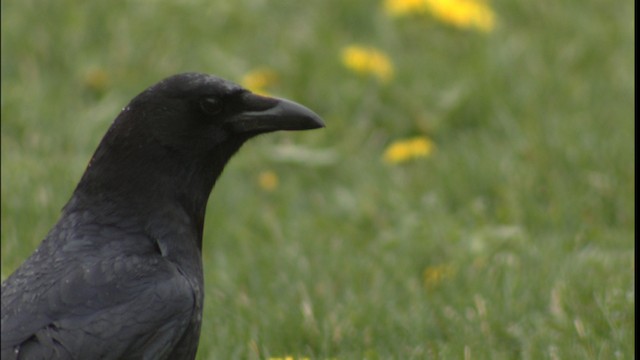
[[265, 114]]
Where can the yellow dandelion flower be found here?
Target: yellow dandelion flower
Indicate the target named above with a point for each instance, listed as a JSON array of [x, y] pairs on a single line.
[[259, 80], [268, 180], [463, 13], [96, 79], [404, 150], [405, 7], [367, 61], [434, 275]]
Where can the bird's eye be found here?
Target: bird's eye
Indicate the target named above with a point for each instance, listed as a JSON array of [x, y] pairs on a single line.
[[211, 106]]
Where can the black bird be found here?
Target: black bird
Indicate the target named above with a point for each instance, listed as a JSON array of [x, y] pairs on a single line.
[[120, 275]]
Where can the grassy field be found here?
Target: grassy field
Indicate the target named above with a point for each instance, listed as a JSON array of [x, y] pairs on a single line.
[[512, 239]]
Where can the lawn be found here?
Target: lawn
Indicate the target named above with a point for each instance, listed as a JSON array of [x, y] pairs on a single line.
[[501, 228]]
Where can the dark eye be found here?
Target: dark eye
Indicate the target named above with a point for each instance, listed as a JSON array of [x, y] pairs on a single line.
[[211, 105]]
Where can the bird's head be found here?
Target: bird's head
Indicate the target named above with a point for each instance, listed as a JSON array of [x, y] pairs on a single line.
[[196, 112], [180, 132]]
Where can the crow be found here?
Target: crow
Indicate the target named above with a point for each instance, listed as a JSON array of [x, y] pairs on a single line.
[[119, 276]]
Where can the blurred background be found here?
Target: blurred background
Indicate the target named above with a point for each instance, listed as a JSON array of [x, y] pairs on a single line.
[[472, 195]]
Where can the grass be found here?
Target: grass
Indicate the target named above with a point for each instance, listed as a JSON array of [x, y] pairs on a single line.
[[514, 239]]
